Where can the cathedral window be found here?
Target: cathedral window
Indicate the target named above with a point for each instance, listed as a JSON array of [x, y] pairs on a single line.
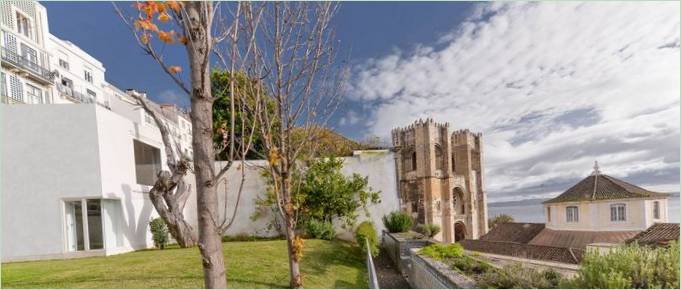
[[439, 158], [413, 160]]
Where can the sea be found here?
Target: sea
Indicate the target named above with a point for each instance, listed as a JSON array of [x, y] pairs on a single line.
[[532, 210]]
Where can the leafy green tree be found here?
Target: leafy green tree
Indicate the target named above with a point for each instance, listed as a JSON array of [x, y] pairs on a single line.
[[502, 218], [245, 124], [329, 194]]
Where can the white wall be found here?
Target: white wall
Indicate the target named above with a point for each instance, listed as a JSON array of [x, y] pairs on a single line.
[[378, 165], [42, 164]]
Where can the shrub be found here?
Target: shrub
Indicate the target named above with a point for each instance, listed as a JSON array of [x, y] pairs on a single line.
[[320, 230], [398, 222], [502, 218], [159, 232], [366, 231], [630, 266], [440, 251], [428, 230], [517, 276]]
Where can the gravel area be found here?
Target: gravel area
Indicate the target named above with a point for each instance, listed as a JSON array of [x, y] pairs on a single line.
[[389, 276]]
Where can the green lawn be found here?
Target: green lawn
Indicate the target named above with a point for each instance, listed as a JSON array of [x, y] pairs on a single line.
[[262, 264]]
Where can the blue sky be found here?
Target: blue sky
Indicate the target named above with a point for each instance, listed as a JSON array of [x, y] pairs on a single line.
[[552, 86]]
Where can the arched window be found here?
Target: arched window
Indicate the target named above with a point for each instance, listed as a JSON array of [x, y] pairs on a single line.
[[413, 160], [618, 212], [439, 158], [457, 201]]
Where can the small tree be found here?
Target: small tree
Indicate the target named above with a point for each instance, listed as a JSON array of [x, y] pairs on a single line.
[[330, 195], [502, 218]]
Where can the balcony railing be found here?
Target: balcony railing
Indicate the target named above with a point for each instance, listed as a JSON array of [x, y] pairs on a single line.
[[20, 61], [80, 97]]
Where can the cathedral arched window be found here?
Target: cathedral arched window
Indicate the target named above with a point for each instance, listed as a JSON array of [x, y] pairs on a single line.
[[413, 160], [439, 158], [453, 163]]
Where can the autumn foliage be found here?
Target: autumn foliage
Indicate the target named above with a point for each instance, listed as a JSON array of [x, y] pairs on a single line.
[[151, 14]]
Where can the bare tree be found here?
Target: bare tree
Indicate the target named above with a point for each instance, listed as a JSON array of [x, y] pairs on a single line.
[[195, 24], [170, 192], [291, 56]]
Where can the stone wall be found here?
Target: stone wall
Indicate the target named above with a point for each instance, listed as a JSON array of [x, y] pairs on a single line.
[[399, 245]]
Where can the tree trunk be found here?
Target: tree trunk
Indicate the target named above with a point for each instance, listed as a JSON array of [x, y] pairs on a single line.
[[199, 15], [178, 227], [294, 254]]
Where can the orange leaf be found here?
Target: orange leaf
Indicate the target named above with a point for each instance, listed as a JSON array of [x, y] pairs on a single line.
[[166, 37], [174, 5], [163, 17], [175, 69]]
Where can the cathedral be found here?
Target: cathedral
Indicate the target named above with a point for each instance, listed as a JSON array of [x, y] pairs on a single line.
[[440, 178]]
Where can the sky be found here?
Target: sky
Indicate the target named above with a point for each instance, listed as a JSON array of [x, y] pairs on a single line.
[[552, 86]]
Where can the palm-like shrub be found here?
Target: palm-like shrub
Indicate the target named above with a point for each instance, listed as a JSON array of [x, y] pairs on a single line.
[[398, 222], [428, 230]]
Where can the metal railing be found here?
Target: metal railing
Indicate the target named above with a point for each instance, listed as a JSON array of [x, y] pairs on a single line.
[[76, 96], [20, 61], [373, 279]]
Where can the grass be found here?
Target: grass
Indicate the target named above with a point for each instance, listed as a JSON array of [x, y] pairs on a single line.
[[261, 264]]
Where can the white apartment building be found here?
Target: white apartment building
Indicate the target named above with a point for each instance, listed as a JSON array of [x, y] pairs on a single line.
[[26, 76], [79, 156]]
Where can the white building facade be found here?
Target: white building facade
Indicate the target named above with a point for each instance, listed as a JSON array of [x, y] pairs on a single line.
[[79, 155]]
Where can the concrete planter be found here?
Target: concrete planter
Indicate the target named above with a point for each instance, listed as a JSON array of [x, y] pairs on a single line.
[[398, 246]]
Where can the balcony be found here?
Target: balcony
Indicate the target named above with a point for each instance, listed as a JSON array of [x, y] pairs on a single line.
[[34, 70], [78, 97]]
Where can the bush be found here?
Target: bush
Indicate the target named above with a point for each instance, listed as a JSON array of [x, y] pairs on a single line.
[[630, 266], [428, 230], [398, 222], [159, 232], [366, 231], [517, 276], [320, 230], [440, 251]]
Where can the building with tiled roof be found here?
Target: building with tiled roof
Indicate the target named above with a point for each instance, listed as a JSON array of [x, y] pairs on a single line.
[[657, 234], [603, 203]]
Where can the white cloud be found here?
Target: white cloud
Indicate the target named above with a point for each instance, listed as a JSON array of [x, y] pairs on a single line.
[[351, 118], [552, 86]]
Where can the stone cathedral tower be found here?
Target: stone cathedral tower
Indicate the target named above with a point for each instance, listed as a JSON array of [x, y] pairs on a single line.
[[440, 178]]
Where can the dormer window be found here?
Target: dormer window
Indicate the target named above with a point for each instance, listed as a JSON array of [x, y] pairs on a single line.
[[618, 212]]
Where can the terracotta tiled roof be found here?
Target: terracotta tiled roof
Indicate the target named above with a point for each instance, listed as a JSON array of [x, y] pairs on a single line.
[[513, 232], [659, 233], [602, 187], [579, 239], [534, 252]]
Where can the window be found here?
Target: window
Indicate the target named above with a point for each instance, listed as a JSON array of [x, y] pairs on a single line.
[[453, 163], [3, 85], [88, 76], [34, 94], [29, 53], [16, 89], [64, 64], [656, 209], [24, 25], [618, 212], [572, 214], [548, 213], [67, 82], [413, 160], [439, 158], [147, 162]]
